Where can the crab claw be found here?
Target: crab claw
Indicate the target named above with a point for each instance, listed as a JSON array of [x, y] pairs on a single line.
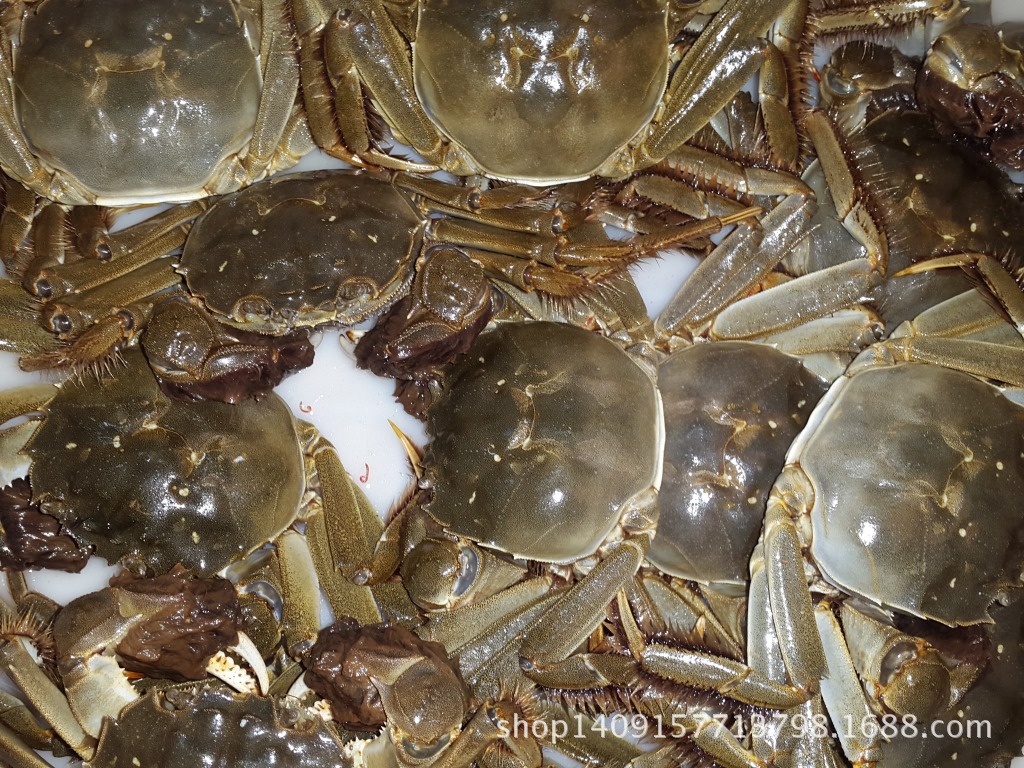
[[226, 669]]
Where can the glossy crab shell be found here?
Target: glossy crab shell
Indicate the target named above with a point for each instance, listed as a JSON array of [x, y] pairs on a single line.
[[544, 434]]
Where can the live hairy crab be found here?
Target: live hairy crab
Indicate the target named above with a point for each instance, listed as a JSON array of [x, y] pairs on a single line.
[[121, 103], [263, 265]]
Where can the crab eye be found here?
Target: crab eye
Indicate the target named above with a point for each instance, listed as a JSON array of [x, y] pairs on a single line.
[[127, 320], [839, 85], [104, 252], [61, 324], [43, 288], [897, 656], [469, 566]]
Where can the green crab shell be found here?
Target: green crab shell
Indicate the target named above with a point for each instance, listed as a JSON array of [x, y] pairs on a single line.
[[543, 436], [303, 250], [139, 100], [143, 478], [918, 477]]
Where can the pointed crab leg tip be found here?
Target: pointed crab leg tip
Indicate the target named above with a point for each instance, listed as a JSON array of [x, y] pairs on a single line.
[[940, 262], [746, 213], [411, 450]]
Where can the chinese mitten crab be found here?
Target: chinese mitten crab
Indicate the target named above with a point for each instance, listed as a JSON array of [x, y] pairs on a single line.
[[169, 627], [896, 500], [119, 102], [305, 250], [136, 477], [530, 91]]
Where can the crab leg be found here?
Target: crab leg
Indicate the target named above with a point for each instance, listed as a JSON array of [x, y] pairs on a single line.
[[676, 609], [362, 44], [45, 696], [854, 210], [22, 332], [966, 315], [883, 17], [280, 87], [15, 224], [16, 753], [735, 266], [294, 571], [724, 57], [842, 692], [21, 723], [780, 736], [1002, 280]]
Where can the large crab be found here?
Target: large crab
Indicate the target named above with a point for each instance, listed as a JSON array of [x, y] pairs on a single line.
[[572, 92], [540, 92], [931, 515], [117, 468], [122, 102]]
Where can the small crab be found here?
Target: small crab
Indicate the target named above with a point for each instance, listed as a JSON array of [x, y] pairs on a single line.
[[972, 83], [170, 627], [910, 197], [118, 102], [305, 250]]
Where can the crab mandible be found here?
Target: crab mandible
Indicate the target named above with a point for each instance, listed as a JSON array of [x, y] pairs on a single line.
[[118, 102]]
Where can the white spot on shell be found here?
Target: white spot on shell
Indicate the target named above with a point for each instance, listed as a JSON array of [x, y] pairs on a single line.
[[999, 466], [1000, 649], [773, 425], [373, 238], [472, 497], [952, 583], [167, 36], [183, 492], [332, 217], [195, 536], [501, 383], [497, 458], [963, 533], [71, 446], [255, 231], [88, 43], [752, 500], [974, 226], [503, 17], [919, 176], [223, 264], [117, 441]]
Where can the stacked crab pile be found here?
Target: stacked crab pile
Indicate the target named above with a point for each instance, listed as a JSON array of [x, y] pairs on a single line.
[[776, 525]]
